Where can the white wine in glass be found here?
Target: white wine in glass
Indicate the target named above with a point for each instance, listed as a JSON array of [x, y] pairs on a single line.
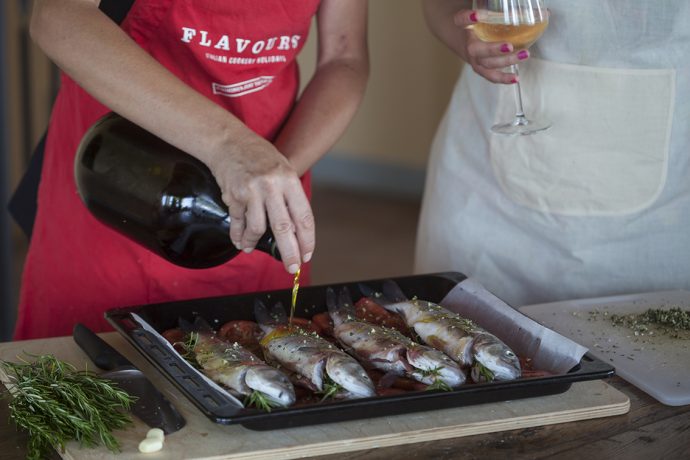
[[521, 23]]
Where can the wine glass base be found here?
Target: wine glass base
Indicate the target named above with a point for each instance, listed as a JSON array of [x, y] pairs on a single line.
[[521, 127]]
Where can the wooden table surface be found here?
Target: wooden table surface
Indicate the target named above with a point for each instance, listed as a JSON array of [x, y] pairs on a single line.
[[650, 430]]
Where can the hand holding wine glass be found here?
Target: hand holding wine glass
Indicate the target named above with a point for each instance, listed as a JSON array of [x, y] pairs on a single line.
[[520, 23]]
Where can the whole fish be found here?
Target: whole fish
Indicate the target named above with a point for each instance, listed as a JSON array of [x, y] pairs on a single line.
[[235, 367], [472, 347], [315, 362], [387, 349]]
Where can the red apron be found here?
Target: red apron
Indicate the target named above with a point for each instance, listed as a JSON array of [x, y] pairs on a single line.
[[240, 54]]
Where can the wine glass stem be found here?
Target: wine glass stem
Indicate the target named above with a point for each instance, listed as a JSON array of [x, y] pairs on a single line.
[[520, 118]]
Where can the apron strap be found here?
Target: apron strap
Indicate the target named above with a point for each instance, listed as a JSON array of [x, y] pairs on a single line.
[[23, 203], [116, 9]]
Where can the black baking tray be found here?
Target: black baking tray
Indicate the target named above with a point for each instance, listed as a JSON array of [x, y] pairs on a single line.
[[141, 325]]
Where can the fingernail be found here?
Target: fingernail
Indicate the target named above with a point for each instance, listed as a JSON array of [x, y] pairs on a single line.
[[307, 257], [522, 55], [237, 245], [248, 250], [293, 268], [505, 48], [473, 16], [514, 80]]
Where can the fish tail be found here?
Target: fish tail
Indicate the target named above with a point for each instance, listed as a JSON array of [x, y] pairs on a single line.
[[185, 325], [262, 314], [331, 301], [275, 316], [334, 309], [392, 292], [199, 325], [341, 309], [345, 302], [366, 290], [279, 314]]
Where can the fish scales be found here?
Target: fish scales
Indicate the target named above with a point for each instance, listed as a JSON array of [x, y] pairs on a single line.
[[298, 352], [225, 363], [388, 349], [440, 328], [310, 356], [238, 369], [468, 344]]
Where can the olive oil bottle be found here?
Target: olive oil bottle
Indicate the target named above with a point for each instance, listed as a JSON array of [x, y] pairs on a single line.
[[155, 194]]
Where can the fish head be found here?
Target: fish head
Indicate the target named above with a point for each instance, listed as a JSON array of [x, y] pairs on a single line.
[[494, 360], [350, 375], [435, 365], [272, 383]]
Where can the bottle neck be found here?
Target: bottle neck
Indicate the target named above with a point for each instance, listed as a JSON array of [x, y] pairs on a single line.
[[267, 243]]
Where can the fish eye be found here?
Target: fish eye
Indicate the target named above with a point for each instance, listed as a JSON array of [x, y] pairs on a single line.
[[510, 354]]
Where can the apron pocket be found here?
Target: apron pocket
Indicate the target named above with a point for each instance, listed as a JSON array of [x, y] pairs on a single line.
[[607, 150]]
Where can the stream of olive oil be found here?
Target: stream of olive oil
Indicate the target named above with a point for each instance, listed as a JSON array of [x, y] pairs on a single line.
[[295, 288]]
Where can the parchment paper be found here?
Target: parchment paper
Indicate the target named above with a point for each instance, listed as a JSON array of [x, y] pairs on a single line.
[[548, 350]]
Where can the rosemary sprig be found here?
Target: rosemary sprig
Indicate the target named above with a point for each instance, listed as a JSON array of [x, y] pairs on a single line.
[[482, 373], [437, 383], [260, 401], [440, 385], [188, 346], [56, 403], [330, 388], [435, 372]]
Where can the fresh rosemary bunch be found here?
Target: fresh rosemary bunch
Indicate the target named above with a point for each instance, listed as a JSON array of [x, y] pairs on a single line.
[[56, 403]]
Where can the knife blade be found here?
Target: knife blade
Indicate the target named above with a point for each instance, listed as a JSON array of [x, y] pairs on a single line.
[[151, 406]]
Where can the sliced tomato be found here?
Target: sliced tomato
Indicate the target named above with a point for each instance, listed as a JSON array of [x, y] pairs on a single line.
[[307, 324], [173, 335], [389, 391], [246, 333], [409, 384], [369, 310], [176, 337], [240, 331], [323, 321], [530, 373]]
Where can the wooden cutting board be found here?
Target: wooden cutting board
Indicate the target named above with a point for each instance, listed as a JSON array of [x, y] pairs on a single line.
[[203, 439]]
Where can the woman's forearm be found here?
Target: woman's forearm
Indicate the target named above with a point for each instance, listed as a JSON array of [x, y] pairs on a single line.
[[323, 113], [332, 96], [110, 66], [255, 180]]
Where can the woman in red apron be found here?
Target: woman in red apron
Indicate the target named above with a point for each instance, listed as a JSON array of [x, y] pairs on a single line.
[[217, 79]]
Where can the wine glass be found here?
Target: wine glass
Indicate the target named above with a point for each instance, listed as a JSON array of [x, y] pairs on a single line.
[[521, 23]]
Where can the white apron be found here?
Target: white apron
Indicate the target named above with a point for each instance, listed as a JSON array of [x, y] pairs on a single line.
[[600, 203]]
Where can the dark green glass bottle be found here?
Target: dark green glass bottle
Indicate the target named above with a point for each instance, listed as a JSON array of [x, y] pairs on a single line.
[[155, 194]]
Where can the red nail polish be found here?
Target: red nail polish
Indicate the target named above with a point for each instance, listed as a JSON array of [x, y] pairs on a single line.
[[473, 16], [514, 80], [505, 48], [522, 55]]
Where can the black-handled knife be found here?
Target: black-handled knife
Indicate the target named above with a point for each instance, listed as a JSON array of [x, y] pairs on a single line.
[[151, 406]]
